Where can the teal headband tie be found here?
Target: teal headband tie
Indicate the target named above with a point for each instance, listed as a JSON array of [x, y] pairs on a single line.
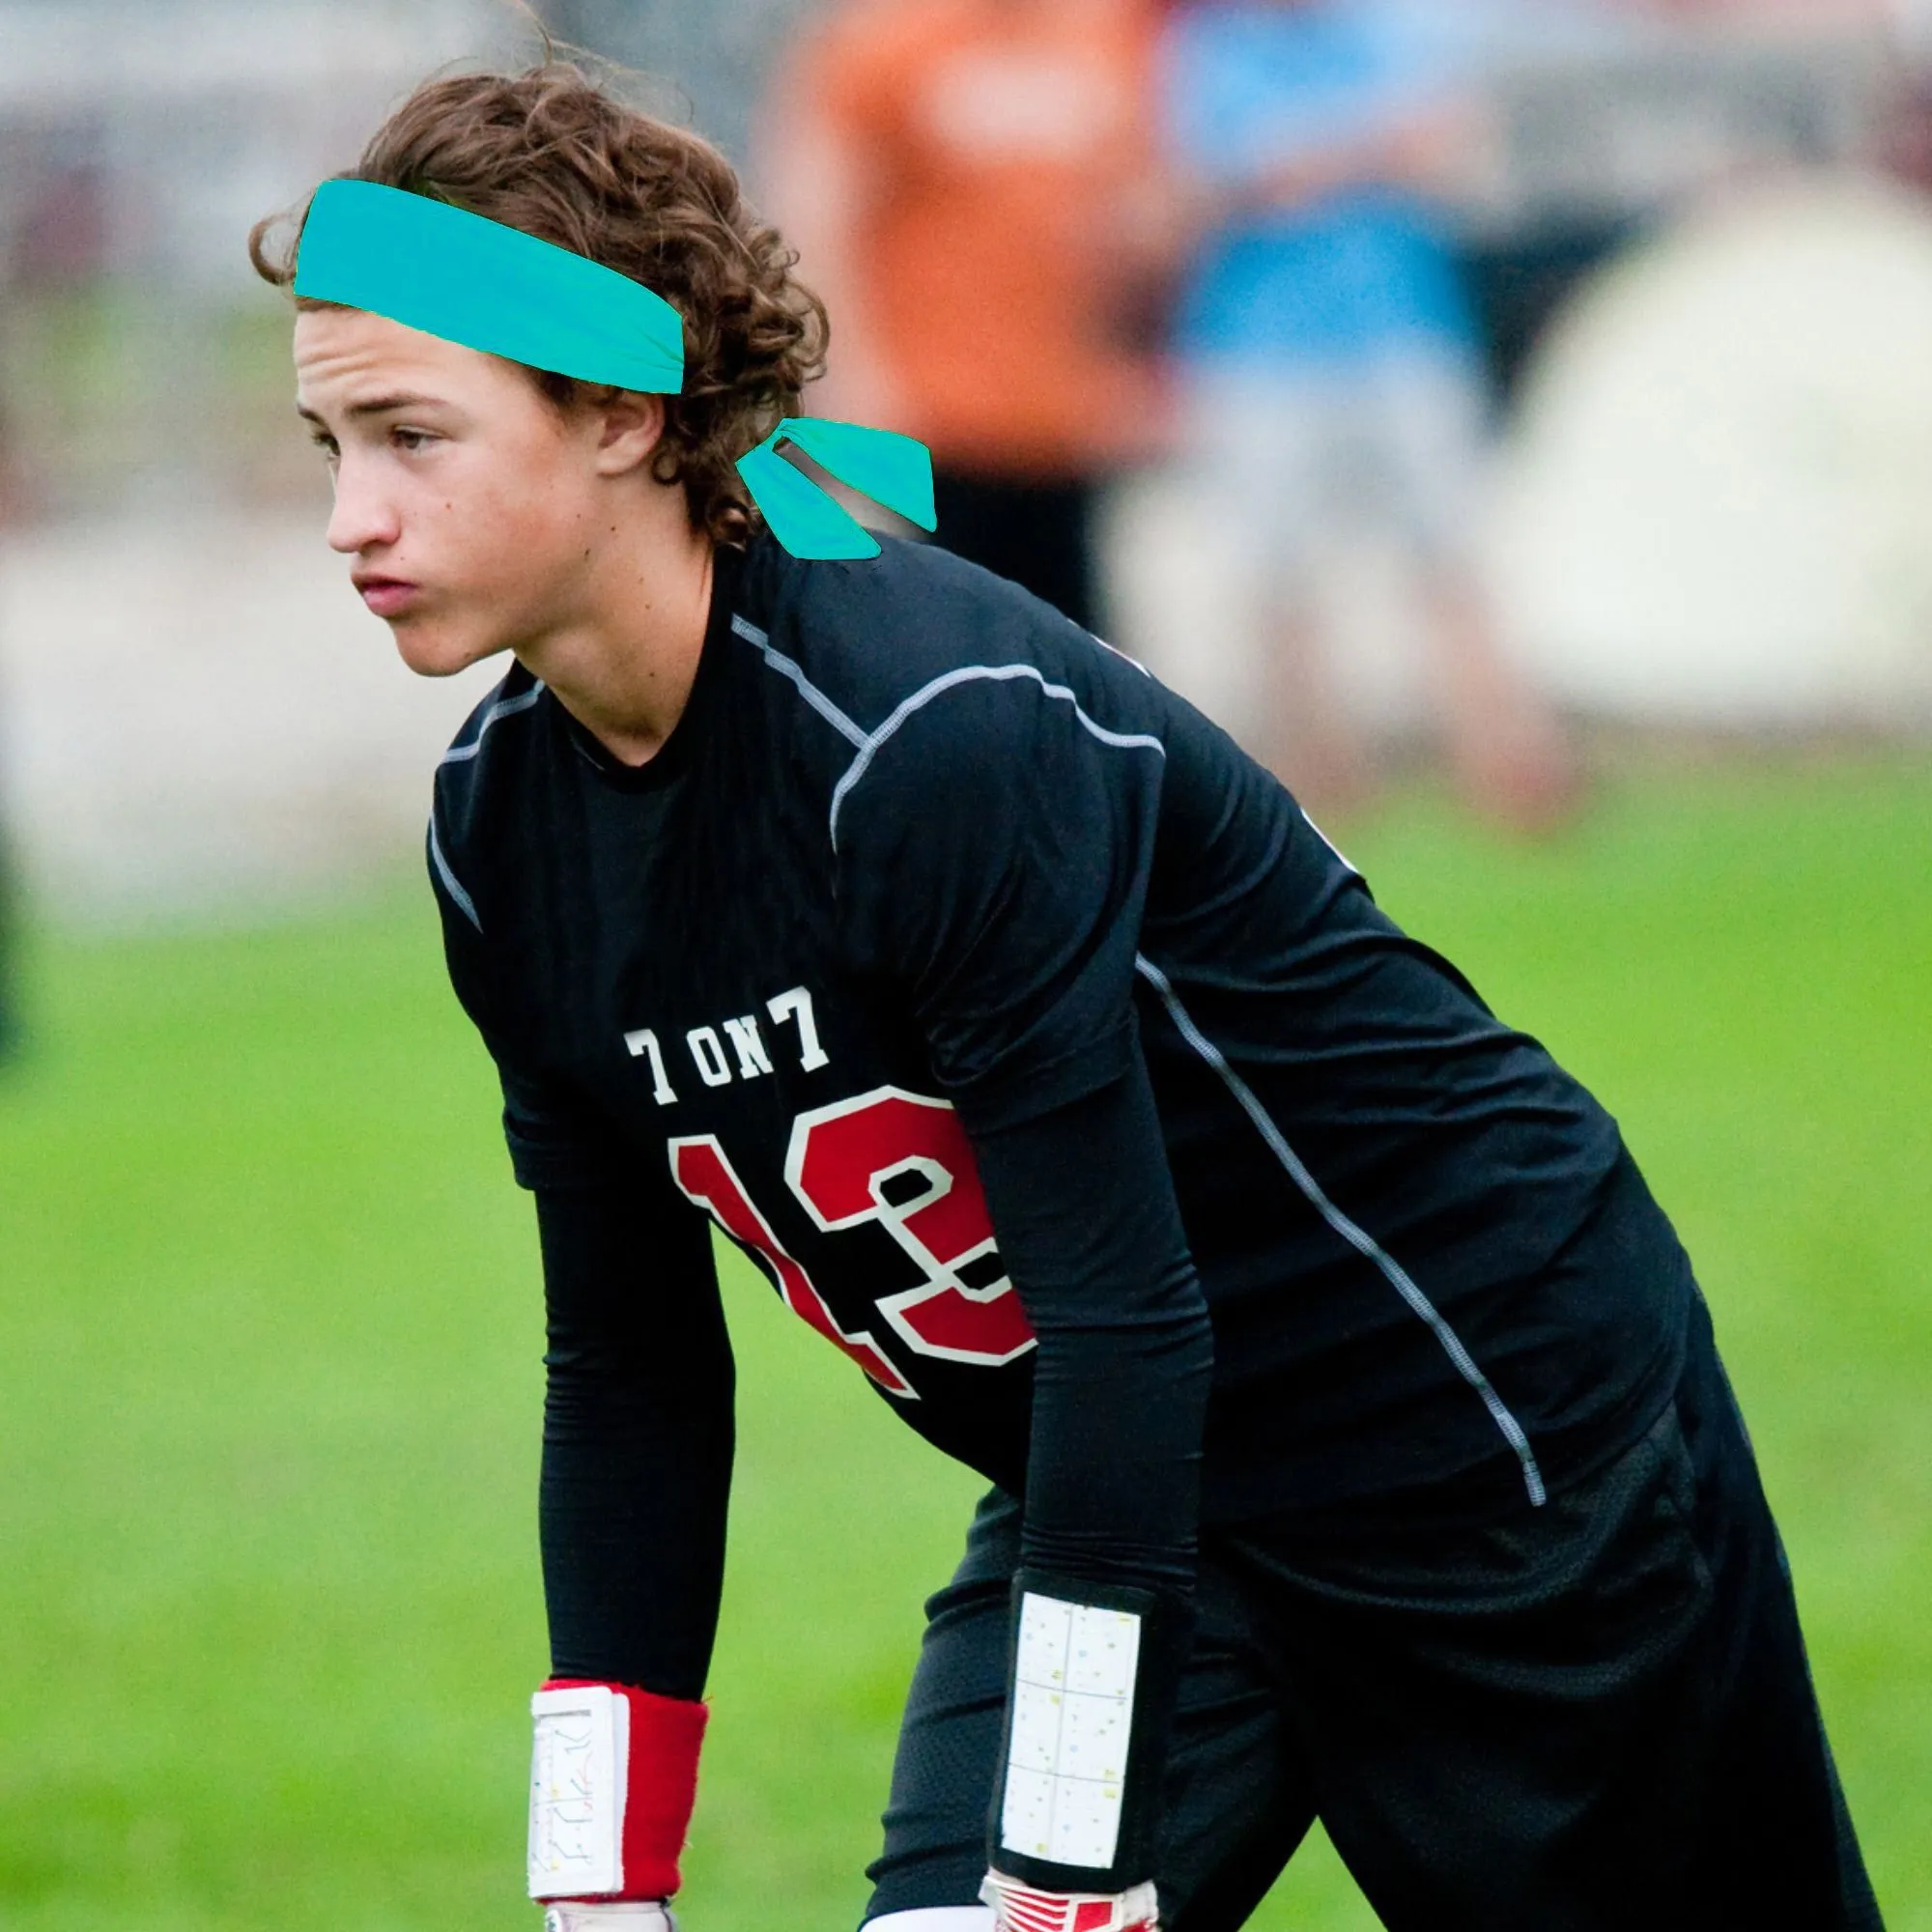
[[492, 287]]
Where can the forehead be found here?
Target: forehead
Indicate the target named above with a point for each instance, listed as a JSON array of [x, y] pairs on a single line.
[[343, 352]]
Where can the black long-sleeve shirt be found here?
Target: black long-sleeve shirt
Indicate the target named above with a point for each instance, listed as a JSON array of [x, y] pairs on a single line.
[[638, 1438], [1051, 1063]]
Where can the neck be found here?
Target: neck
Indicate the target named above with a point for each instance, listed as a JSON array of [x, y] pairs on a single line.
[[625, 665]]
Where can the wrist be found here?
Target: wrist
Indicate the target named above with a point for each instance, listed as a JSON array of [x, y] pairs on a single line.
[[1019, 1907], [614, 1778], [1096, 1671]]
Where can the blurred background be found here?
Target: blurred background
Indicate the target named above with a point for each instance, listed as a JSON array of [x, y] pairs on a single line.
[[1511, 418]]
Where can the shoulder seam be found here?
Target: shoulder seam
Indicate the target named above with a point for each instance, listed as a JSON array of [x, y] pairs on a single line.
[[789, 667], [506, 708], [869, 742]]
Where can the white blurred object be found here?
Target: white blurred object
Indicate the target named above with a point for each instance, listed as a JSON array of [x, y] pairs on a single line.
[[1172, 571], [1716, 506], [200, 712], [209, 113]]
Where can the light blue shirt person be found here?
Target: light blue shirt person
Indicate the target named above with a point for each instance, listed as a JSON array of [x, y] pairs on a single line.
[[1356, 272]]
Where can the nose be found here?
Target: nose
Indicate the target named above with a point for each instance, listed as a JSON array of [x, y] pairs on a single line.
[[361, 517]]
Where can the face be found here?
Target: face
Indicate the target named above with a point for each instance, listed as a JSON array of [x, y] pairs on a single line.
[[452, 475]]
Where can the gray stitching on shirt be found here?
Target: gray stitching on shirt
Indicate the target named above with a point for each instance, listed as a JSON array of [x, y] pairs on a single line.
[[1357, 1238], [869, 744], [509, 707], [451, 884], [806, 690]]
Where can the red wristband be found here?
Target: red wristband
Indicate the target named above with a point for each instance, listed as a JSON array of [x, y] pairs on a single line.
[[659, 1776]]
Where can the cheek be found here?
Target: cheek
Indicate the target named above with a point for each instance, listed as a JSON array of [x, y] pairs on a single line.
[[516, 534]]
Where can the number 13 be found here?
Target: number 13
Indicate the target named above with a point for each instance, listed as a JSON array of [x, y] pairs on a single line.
[[902, 1160]]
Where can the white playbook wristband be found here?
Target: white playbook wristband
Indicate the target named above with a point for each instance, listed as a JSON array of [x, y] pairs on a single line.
[[578, 1779], [1071, 1723]]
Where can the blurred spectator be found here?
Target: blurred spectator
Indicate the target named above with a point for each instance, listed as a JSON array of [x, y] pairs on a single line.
[[1332, 372], [960, 178]]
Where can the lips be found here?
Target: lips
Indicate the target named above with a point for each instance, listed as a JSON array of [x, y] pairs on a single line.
[[386, 595]]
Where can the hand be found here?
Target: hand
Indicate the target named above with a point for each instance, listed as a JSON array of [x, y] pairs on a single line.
[[1017, 1907], [642, 1915]]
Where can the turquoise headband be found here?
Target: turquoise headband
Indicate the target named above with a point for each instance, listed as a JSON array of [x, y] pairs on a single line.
[[492, 287]]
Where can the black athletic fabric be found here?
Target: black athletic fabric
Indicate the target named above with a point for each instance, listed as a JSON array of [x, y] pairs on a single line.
[[637, 1440], [638, 1435], [1122, 1375], [1589, 1717], [934, 915]]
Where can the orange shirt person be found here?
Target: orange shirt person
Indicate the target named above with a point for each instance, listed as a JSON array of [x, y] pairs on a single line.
[[963, 180]]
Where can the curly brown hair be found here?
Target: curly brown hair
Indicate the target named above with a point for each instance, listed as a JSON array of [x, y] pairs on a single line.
[[549, 151]]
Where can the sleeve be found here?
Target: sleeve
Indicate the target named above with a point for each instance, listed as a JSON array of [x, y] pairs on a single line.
[[993, 857], [557, 1142], [637, 1433], [637, 1444], [998, 875]]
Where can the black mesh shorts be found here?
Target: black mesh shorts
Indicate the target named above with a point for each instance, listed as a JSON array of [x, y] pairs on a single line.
[[1588, 1717]]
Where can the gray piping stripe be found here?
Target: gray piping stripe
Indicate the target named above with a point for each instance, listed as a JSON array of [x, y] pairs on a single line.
[[1356, 1238], [451, 883], [968, 674], [1346, 863], [509, 707], [1122, 655], [806, 690]]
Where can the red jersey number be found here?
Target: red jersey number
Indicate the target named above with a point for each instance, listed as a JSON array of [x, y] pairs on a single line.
[[699, 1167], [902, 1160]]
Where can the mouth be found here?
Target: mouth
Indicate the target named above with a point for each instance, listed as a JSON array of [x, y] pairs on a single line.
[[386, 595]]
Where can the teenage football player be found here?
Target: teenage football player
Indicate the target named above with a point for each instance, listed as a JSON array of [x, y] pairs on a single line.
[[1356, 1442]]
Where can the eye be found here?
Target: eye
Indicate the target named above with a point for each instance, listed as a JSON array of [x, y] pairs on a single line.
[[417, 437]]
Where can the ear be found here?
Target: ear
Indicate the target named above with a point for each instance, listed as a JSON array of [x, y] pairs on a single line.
[[630, 425]]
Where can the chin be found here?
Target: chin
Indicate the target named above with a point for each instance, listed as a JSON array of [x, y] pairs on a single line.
[[432, 654]]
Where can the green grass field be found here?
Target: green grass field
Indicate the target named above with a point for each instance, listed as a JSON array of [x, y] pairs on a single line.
[[269, 1378]]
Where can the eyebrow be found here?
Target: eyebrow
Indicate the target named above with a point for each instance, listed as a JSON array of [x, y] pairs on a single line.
[[377, 405]]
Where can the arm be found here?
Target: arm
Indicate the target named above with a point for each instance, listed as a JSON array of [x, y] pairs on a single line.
[[1084, 1207], [636, 1472], [637, 1443], [1243, 155], [632, 1503], [994, 862], [637, 1461], [1426, 148]]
